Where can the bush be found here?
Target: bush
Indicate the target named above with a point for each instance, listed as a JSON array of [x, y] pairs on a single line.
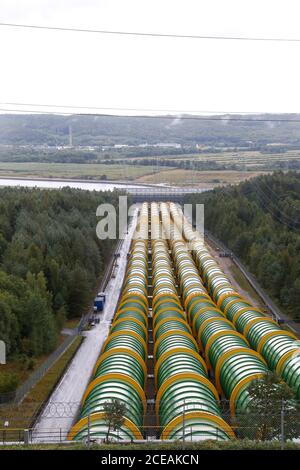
[[31, 364], [8, 382]]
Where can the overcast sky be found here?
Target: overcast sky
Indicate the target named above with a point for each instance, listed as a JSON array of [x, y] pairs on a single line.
[[71, 68]]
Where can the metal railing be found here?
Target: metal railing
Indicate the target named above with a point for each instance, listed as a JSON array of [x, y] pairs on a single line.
[[279, 422]]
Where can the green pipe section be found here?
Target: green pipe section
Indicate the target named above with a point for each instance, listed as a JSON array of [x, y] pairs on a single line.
[[279, 349], [183, 388]]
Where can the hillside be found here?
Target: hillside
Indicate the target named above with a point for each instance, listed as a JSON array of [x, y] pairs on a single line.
[[107, 130], [50, 263], [260, 221]]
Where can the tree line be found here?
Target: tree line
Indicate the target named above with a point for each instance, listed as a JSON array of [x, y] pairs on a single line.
[[50, 263], [133, 130]]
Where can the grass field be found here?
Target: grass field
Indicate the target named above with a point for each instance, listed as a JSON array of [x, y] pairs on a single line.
[[203, 179], [15, 366], [247, 158], [73, 170], [141, 174], [21, 416]]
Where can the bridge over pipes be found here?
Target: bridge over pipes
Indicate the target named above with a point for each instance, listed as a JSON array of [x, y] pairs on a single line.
[[162, 194]]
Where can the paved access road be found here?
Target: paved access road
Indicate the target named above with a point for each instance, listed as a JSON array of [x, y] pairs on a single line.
[[62, 408]]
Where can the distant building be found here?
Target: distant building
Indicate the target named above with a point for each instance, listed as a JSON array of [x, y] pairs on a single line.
[[172, 145]]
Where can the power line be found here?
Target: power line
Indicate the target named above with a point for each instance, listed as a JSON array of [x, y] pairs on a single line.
[[152, 110], [150, 34], [273, 197], [144, 116]]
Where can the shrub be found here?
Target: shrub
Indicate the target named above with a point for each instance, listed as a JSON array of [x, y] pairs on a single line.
[[8, 382]]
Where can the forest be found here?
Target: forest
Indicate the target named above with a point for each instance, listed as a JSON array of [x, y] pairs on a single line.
[[259, 220], [50, 263], [243, 130]]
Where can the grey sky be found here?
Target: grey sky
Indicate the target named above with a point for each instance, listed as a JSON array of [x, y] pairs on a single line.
[[161, 73]]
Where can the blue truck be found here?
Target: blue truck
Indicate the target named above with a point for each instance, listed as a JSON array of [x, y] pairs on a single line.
[[99, 302]]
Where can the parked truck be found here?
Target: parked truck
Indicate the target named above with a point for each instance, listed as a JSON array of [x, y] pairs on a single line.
[[99, 302]]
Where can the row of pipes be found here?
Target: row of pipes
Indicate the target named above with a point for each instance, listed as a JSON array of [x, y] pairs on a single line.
[[278, 347], [120, 372], [186, 400], [209, 342]]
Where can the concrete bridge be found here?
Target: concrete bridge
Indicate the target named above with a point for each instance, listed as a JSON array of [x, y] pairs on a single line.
[[162, 193]]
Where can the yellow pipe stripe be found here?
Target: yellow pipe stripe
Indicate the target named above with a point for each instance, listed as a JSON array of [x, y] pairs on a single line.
[[216, 335], [125, 333], [177, 332], [237, 298], [191, 286], [121, 350], [194, 415], [172, 309], [122, 305], [229, 353], [164, 320], [157, 298], [180, 378], [270, 334], [135, 285], [193, 294], [133, 320], [225, 295], [239, 386], [129, 295], [174, 351], [83, 423], [284, 358], [239, 312], [220, 274], [110, 377], [196, 300], [257, 320], [210, 320], [129, 309], [164, 285]]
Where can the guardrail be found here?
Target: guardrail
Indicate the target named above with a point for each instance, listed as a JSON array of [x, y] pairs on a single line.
[[105, 280]]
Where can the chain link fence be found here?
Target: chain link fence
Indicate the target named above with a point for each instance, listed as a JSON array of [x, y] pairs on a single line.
[[281, 423], [18, 395]]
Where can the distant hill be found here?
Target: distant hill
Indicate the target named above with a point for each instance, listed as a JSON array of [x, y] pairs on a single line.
[[103, 130]]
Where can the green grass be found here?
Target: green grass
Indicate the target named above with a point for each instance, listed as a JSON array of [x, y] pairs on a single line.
[[22, 416], [246, 157], [72, 323], [203, 179], [244, 284], [19, 368], [204, 445]]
